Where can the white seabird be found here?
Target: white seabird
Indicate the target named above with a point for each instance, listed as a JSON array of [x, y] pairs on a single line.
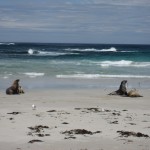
[[33, 107]]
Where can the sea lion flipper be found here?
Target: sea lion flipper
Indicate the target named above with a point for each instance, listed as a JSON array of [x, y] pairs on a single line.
[[133, 93], [113, 93]]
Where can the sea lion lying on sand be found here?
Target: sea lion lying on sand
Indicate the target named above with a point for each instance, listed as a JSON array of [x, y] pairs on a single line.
[[14, 89], [122, 89], [134, 93]]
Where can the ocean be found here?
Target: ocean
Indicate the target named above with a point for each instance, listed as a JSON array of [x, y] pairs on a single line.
[[40, 65]]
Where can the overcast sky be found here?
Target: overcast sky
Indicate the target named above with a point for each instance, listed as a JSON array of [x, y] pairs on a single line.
[[75, 21]]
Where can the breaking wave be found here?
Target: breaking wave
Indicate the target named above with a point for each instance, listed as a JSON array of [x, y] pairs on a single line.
[[31, 51], [7, 43], [112, 49], [74, 51], [97, 76], [124, 63], [115, 63], [34, 74], [46, 53]]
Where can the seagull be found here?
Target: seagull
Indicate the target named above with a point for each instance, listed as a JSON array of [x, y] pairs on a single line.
[[33, 107]]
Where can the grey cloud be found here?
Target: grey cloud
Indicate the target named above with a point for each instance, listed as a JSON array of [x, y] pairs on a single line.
[[117, 2], [78, 17]]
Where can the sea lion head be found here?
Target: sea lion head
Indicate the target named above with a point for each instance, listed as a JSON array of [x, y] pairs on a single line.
[[123, 84], [16, 84], [16, 81], [123, 88]]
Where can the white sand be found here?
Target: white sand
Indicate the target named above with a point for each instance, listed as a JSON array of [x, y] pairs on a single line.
[[125, 114]]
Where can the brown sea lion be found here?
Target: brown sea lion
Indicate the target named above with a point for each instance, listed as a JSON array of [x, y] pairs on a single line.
[[134, 93], [14, 88], [122, 89]]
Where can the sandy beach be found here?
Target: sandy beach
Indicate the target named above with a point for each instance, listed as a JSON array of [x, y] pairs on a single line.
[[74, 119], [85, 68]]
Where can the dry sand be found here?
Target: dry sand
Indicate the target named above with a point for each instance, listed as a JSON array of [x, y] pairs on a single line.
[[61, 115]]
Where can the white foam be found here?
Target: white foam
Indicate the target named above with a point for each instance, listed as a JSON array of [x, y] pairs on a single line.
[[30, 51], [46, 53], [116, 63], [10, 43], [7, 43], [90, 50], [33, 74], [123, 63], [5, 77], [128, 51], [85, 76], [42, 53], [120, 63], [141, 64], [112, 49], [96, 76]]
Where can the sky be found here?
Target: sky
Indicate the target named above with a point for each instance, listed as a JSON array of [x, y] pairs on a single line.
[[75, 21]]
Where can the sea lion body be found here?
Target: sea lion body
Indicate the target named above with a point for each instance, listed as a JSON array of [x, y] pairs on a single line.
[[134, 93], [14, 88], [122, 89]]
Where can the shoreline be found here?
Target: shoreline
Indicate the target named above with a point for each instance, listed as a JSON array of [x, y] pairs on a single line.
[[60, 110], [44, 83]]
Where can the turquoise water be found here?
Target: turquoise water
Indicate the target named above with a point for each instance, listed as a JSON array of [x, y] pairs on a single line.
[[37, 61]]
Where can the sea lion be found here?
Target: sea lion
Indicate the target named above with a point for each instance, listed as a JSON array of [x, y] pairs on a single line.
[[134, 93], [20, 90], [14, 88], [122, 89]]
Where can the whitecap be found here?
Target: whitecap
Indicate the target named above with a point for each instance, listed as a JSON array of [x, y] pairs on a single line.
[[90, 50], [10, 43], [30, 51], [112, 49], [84, 76], [128, 51], [141, 64], [96, 76], [33, 74], [116, 63], [45, 53], [123, 63], [7, 43]]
